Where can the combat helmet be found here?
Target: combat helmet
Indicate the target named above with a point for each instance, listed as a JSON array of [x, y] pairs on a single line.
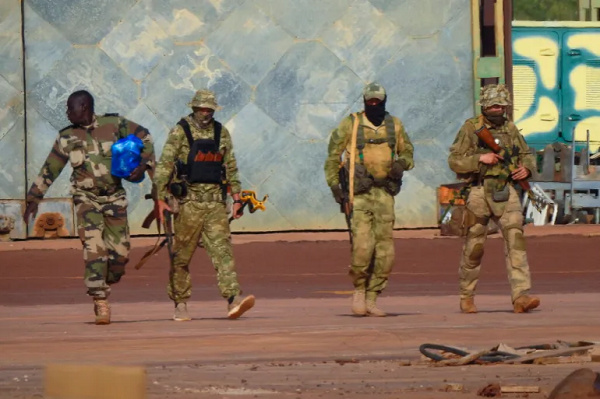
[[494, 94]]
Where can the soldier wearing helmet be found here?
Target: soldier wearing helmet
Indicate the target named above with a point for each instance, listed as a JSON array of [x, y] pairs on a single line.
[[199, 152], [381, 151], [492, 196]]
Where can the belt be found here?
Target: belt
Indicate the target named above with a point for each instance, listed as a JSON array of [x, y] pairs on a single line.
[[205, 197]]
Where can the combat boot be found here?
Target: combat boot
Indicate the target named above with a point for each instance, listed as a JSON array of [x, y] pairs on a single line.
[[181, 313], [102, 311], [467, 305], [359, 307], [373, 310], [239, 306], [525, 303]]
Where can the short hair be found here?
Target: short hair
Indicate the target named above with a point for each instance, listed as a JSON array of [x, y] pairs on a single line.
[[83, 95]]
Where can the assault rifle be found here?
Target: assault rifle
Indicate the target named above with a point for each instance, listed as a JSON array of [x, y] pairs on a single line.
[[510, 160], [169, 234]]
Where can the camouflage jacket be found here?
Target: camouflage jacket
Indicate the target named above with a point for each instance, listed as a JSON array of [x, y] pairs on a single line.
[[377, 157], [89, 152], [177, 148], [466, 149]]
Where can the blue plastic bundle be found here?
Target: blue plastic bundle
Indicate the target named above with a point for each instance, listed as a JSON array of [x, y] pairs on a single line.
[[126, 156]]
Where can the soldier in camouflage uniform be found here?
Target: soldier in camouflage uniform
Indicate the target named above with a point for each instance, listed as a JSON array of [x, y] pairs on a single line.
[[99, 198], [383, 153], [202, 209], [492, 196]]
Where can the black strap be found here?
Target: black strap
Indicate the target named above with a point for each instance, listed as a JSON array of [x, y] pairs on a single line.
[[188, 132]]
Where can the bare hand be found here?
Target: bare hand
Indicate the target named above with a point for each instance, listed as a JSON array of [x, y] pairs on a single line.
[[30, 211], [162, 206], [490, 158], [237, 210], [137, 174], [520, 173]]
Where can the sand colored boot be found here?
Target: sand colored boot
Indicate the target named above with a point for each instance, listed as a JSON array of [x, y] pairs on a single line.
[[467, 305], [373, 310], [359, 307], [102, 311], [525, 303], [181, 312], [239, 306]]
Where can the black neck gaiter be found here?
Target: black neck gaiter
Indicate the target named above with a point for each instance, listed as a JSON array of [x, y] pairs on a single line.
[[496, 120], [375, 113]]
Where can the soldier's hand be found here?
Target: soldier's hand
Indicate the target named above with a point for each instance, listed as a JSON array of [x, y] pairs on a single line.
[[397, 170], [30, 211], [520, 173], [338, 194], [236, 209], [490, 158], [137, 174], [162, 206]]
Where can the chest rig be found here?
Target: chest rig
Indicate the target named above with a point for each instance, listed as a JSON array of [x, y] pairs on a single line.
[[204, 161], [390, 139]]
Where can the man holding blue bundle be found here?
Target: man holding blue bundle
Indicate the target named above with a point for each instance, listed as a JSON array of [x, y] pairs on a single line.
[[98, 195]]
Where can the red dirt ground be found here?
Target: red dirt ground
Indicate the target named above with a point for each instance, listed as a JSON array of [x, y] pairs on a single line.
[[298, 340]]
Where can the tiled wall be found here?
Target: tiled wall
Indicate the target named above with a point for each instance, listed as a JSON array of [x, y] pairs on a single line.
[[285, 72]]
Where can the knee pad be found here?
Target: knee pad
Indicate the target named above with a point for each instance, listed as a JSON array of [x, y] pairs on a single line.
[[476, 253]]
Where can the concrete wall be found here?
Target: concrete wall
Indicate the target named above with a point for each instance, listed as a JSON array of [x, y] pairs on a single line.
[[285, 72]]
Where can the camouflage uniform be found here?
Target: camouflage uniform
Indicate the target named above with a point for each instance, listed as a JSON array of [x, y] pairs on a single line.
[[485, 179], [202, 213], [99, 198], [373, 211]]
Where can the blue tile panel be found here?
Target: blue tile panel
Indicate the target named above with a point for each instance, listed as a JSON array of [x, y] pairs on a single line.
[[285, 73]]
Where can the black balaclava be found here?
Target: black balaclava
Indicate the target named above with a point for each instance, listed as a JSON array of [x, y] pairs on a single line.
[[375, 113]]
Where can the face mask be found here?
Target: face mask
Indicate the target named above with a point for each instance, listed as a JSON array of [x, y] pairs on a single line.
[[375, 113], [497, 118]]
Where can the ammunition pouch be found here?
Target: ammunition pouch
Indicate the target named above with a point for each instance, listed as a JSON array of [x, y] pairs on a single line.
[[363, 181], [178, 189], [500, 195]]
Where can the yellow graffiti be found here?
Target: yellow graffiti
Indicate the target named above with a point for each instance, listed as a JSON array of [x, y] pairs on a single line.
[[582, 80], [544, 52], [589, 41], [544, 120], [524, 84], [592, 124]]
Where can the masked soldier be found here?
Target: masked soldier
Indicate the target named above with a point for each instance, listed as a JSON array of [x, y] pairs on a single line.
[[200, 150], [492, 196], [99, 197], [382, 153]]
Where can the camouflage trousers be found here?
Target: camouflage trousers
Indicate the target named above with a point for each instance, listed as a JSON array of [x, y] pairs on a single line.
[[372, 226], [206, 220], [509, 217], [103, 230]]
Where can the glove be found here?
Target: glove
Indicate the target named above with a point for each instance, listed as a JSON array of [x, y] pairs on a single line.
[[397, 170], [30, 211], [338, 194]]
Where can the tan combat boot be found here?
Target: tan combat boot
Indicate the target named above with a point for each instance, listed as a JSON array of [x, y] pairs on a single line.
[[373, 310], [467, 305], [102, 311], [359, 307], [239, 306], [525, 303], [181, 313]]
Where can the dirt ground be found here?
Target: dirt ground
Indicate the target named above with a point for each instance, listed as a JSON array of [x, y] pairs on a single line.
[[300, 341]]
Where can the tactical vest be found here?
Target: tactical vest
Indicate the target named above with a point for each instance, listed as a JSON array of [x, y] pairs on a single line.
[[390, 138], [205, 161], [502, 136]]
